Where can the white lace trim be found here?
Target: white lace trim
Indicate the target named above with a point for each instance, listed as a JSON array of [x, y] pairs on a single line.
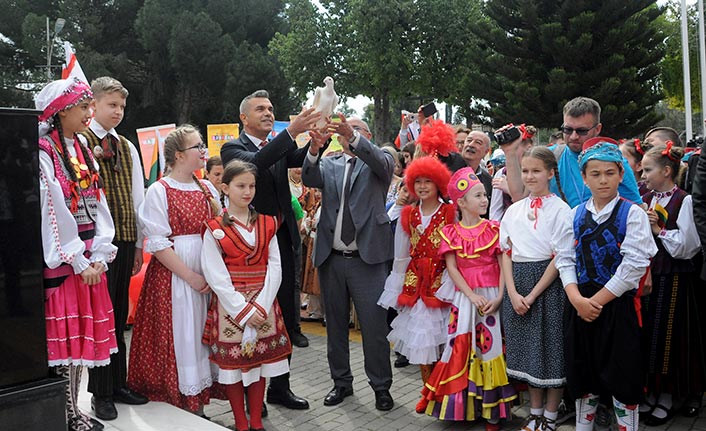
[[155, 245], [84, 362], [191, 390]]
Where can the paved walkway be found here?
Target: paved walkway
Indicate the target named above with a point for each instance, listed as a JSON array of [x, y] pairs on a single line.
[[310, 379]]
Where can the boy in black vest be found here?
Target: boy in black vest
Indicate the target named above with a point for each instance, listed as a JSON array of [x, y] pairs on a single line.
[[123, 182]]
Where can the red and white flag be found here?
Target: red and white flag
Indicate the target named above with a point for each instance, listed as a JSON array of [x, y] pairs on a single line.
[[71, 67]]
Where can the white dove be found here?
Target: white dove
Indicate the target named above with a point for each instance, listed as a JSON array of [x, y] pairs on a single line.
[[325, 101]]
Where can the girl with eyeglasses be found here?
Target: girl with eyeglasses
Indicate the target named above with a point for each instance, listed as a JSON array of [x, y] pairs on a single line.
[[168, 362]]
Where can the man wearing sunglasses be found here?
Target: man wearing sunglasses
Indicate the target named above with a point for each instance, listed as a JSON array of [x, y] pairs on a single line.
[[582, 121]]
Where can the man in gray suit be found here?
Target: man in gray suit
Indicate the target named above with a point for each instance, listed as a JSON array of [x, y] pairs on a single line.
[[353, 245]]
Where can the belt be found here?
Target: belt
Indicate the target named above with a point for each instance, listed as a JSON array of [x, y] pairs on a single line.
[[346, 253]]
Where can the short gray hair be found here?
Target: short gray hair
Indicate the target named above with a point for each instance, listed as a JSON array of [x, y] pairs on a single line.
[[581, 106], [263, 94]]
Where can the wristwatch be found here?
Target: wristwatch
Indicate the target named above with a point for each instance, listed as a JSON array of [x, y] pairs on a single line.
[[354, 137]]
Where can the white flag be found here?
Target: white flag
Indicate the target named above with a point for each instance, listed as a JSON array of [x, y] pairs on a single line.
[[72, 68]]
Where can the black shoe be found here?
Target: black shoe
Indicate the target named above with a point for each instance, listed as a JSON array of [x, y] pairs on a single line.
[[401, 361], [299, 340], [127, 396], [691, 407], [337, 394], [653, 421], [95, 425], [286, 399], [104, 408], [383, 400]]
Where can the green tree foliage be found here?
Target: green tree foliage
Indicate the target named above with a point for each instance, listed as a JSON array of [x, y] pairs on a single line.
[[182, 60], [672, 77], [385, 50], [542, 53]]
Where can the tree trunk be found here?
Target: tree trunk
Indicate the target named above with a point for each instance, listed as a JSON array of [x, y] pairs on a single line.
[[184, 104], [382, 133]]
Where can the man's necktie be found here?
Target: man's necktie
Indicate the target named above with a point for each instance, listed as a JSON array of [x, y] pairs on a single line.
[[107, 145], [347, 226]]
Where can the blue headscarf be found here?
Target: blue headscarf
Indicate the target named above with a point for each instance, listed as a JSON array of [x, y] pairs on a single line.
[[602, 151]]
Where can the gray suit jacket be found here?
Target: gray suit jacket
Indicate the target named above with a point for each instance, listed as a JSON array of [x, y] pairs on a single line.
[[370, 181]]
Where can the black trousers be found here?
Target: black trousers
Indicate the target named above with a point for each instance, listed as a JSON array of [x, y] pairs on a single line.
[[103, 381], [285, 296]]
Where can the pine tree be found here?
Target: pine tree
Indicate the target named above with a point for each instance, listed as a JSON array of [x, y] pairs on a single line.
[[542, 53]]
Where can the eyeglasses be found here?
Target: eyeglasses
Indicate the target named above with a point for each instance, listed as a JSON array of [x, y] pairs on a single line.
[[200, 146], [581, 131], [359, 128]]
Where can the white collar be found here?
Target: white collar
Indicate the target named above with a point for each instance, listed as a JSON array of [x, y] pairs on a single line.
[[590, 206], [100, 132]]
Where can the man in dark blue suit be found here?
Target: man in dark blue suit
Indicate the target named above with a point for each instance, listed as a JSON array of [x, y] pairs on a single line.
[[273, 197]]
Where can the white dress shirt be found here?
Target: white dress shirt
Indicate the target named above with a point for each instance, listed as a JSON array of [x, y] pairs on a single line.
[[637, 249]]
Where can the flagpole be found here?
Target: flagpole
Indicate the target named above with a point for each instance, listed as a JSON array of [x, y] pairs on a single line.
[[702, 66], [685, 65]]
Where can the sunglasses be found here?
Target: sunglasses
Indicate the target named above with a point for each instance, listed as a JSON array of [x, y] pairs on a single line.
[[581, 131], [200, 146]]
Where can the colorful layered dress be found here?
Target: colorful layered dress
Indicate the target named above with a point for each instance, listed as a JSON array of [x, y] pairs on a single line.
[[469, 381], [77, 230], [418, 331]]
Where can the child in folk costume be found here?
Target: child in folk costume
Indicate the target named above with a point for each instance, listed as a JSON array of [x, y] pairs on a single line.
[[634, 150], [168, 362], [533, 310], [77, 235], [602, 332], [469, 382], [672, 331], [245, 330], [419, 330]]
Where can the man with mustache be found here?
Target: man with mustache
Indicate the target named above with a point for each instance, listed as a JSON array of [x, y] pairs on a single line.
[[474, 149]]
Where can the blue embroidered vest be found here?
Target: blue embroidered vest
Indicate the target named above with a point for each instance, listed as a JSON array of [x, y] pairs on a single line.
[[598, 245]]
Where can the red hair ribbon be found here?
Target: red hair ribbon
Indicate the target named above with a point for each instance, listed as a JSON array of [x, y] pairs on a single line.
[[638, 146], [535, 204], [668, 151]]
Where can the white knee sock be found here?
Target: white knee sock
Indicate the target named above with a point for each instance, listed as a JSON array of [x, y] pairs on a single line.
[[586, 407], [628, 415]]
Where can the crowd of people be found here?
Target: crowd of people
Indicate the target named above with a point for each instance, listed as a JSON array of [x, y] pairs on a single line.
[[569, 270]]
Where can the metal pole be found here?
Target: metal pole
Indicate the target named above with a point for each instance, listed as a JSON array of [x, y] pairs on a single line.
[[702, 66], [687, 77], [48, 53]]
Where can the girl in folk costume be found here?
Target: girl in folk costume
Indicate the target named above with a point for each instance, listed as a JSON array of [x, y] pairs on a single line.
[[469, 382], [419, 329], [167, 360], [244, 330], [634, 150], [77, 235], [671, 336], [601, 276], [533, 310]]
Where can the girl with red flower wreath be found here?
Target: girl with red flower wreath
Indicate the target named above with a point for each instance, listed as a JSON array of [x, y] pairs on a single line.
[[419, 330]]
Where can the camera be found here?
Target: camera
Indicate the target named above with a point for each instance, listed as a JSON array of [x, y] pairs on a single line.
[[411, 116], [508, 135]]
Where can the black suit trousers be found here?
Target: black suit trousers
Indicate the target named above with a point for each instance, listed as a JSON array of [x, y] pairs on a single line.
[[103, 381]]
